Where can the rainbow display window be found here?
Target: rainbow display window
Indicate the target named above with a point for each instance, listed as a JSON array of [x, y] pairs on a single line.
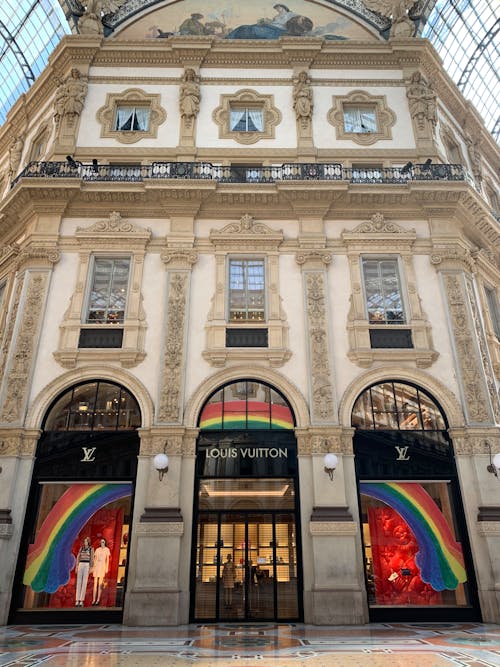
[[413, 554], [78, 554], [246, 405]]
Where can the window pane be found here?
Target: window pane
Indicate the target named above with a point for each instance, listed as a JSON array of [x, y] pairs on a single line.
[[383, 291], [246, 120], [132, 119], [359, 120], [246, 289], [109, 290]]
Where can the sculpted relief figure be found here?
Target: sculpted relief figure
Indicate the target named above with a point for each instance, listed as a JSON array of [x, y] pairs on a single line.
[[15, 153], [422, 101], [302, 98], [189, 96], [90, 23], [70, 96], [397, 11]]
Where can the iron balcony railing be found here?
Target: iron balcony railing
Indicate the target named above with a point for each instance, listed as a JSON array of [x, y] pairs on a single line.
[[244, 174]]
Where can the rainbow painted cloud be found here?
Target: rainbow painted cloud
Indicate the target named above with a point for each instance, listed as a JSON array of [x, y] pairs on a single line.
[[50, 559], [440, 557]]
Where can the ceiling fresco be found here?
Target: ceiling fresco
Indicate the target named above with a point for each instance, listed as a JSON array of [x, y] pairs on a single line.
[[226, 19]]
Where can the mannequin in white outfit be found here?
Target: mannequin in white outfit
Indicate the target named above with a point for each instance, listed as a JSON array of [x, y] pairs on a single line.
[[102, 557]]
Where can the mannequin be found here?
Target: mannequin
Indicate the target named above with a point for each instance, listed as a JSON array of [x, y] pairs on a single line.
[[101, 565], [83, 567]]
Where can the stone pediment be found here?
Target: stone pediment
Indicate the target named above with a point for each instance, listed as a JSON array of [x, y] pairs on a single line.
[[114, 226], [246, 234]]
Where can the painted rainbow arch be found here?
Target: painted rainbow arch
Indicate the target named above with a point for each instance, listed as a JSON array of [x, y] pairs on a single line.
[[50, 559], [440, 558], [245, 415]]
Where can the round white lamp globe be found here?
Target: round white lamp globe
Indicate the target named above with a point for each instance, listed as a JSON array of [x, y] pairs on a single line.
[[160, 462], [331, 461], [496, 461]]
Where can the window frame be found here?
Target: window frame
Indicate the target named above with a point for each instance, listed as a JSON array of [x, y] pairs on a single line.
[[246, 109], [493, 309], [247, 98], [91, 278], [247, 320], [385, 117], [132, 97], [360, 108], [396, 259], [134, 108]]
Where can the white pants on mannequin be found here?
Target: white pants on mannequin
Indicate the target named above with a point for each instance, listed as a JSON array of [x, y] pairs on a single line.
[[82, 576]]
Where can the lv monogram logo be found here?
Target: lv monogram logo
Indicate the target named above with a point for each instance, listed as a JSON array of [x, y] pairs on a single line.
[[88, 454], [402, 453]]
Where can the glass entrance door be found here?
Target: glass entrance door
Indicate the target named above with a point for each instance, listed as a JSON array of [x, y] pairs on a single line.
[[246, 566]]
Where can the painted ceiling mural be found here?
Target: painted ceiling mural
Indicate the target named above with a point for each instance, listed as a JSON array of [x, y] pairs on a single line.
[[227, 19]]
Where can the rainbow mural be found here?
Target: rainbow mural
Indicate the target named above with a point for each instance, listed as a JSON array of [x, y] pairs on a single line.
[[439, 559], [245, 415], [50, 559]]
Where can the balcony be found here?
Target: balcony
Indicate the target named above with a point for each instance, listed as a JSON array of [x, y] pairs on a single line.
[[242, 173]]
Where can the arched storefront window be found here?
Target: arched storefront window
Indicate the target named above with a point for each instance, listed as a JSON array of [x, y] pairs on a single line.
[[73, 560], [94, 406], [416, 553], [246, 562]]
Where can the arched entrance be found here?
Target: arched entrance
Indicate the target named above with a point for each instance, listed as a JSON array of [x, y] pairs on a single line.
[[416, 552], [246, 561], [74, 550]]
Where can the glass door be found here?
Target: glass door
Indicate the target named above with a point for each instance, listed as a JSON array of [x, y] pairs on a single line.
[[246, 566]]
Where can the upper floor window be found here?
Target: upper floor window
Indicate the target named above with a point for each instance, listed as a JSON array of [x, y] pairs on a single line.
[[396, 405], [491, 297], [382, 285], [246, 290], [360, 119], [246, 119], [108, 290], [132, 119]]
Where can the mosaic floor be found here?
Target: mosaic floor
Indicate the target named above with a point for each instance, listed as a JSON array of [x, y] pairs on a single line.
[[259, 645]]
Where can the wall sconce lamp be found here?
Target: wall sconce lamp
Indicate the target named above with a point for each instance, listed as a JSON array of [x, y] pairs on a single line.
[[160, 462], [494, 465], [330, 462]]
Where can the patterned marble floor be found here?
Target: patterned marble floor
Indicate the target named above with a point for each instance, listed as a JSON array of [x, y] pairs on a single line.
[[259, 645]]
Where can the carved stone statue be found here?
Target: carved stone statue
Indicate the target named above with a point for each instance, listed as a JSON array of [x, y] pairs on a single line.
[[70, 96], [189, 96], [302, 98], [397, 11], [90, 23], [15, 153], [473, 148], [422, 100]]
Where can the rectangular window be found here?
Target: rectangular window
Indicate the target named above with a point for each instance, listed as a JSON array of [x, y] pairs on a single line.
[[246, 120], [382, 286], [108, 291], [134, 119], [246, 290], [360, 119], [491, 297]]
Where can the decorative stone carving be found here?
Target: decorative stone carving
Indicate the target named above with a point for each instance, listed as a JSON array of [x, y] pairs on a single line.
[[321, 381], [15, 154], [452, 257], [173, 355], [469, 365], [303, 99], [179, 257], [90, 23], [397, 10], [189, 97], [379, 225], [422, 101], [305, 256], [37, 256], [474, 150], [16, 383], [338, 528], [70, 97]]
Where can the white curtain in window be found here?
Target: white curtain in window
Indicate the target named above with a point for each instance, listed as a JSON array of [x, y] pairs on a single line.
[[359, 120], [237, 116], [142, 118], [256, 118], [124, 118]]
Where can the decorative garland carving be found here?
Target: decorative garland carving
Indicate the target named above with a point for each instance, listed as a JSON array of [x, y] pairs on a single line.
[[246, 226], [469, 365], [322, 390], [173, 359], [17, 383], [115, 224], [377, 224]]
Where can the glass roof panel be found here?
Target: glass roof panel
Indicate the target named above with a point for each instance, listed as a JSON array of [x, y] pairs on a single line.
[[465, 34], [29, 32]]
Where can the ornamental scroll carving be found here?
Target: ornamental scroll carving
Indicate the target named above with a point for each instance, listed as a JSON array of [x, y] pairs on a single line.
[[173, 357], [379, 225], [470, 366], [322, 390], [16, 380]]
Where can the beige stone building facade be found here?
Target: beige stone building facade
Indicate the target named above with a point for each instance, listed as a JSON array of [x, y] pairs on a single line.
[[248, 244]]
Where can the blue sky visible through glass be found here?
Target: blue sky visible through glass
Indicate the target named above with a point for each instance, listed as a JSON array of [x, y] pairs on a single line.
[[29, 32]]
